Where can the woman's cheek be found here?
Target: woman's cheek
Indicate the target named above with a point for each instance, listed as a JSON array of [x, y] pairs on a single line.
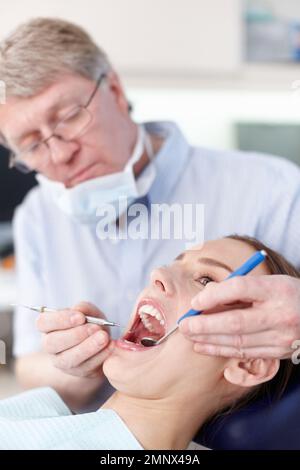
[[185, 301]]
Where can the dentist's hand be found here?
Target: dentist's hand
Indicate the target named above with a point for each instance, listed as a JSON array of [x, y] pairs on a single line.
[[266, 326], [76, 347]]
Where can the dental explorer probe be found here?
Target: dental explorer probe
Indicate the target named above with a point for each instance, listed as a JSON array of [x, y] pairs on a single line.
[[248, 266], [94, 320]]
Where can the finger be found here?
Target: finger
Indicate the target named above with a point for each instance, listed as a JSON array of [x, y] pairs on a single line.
[[248, 353], [91, 310], [264, 338], [88, 309], [74, 357], [232, 322], [237, 289], [60, 320], [58, 341], [92, 366]]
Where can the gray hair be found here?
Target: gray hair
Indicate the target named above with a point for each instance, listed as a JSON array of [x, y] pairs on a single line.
[[37, 52]]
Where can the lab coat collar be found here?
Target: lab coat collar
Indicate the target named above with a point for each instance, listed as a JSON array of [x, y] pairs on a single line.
[[170, 161]]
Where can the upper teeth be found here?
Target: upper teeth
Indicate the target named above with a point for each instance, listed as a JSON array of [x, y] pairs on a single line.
[[146, 310]]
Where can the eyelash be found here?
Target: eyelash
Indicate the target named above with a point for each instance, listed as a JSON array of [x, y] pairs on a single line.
[[204, 277]]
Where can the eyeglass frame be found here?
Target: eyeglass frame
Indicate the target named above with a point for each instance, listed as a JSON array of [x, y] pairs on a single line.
[[12, 156]]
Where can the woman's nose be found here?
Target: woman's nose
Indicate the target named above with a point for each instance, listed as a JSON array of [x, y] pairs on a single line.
[[61, 151], [161, 280]]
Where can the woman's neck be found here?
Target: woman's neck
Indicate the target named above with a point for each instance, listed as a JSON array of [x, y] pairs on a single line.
[[161, 423]]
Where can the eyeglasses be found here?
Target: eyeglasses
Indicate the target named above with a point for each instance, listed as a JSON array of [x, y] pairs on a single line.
[[73, 125]]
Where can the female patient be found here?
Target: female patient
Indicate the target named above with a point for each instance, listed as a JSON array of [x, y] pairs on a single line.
[[164, 393]]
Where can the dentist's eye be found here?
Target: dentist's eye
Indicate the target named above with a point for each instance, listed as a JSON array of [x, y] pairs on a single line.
[[204, 280]]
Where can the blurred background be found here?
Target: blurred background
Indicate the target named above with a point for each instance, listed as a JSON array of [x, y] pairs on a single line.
[[227, 71]]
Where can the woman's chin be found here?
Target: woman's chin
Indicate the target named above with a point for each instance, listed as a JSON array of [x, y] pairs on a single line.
[[128, 363], [119, 372]]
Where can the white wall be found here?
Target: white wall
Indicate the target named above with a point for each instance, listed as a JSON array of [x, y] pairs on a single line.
[[289, 9], [207, 117], [148, 36]]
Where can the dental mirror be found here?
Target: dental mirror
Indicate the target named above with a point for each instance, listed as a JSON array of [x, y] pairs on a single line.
[[149, 342]]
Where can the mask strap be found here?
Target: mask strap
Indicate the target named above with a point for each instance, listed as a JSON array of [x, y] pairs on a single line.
[[138, 148], [148, 145], [143, 143]]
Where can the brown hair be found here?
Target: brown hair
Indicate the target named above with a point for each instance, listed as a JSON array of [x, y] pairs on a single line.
[[276, 264]]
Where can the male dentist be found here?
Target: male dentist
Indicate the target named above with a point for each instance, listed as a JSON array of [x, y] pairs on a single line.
[[66, 117]]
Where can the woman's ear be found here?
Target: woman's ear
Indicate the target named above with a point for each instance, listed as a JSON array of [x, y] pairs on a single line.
[[250, 372]]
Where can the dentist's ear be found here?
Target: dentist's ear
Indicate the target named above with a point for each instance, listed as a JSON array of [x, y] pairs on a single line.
[[250, 372], [116, 87]]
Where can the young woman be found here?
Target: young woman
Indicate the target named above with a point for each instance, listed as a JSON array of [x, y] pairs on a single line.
[[164, 393]]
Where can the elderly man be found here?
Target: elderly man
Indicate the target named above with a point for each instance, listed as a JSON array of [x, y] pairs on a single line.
[[67, 118]]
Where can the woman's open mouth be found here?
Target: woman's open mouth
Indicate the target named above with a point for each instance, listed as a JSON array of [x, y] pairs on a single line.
[[149, 322]]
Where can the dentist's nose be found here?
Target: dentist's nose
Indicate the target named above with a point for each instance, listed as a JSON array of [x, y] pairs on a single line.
[[61, 151], [160, 279]]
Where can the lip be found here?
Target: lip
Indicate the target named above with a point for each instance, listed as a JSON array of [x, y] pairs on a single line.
[[148, 301], [129, 346]]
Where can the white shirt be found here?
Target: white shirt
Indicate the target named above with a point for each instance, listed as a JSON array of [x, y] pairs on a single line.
[[60, 262]]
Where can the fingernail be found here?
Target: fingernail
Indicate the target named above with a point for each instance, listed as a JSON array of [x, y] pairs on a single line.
[[183, 326], [76, 318], [102, 337], [92, 328], [193, 326], [198, 347], [189, 328], [195, 303]]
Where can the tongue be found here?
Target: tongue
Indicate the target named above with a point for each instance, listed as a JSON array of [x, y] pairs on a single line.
[[139, 331]]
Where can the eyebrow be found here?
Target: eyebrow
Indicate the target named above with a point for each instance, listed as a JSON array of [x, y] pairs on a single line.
[[179, 257], [214, 262], [62, 102], [208, 262]]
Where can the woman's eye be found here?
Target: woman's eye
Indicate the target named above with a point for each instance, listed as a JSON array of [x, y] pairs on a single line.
[[204, 280]]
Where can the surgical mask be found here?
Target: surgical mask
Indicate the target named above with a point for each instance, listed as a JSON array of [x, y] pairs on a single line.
[[83, 202]]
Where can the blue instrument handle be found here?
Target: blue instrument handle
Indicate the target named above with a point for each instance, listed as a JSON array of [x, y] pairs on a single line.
[[190, 313]]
